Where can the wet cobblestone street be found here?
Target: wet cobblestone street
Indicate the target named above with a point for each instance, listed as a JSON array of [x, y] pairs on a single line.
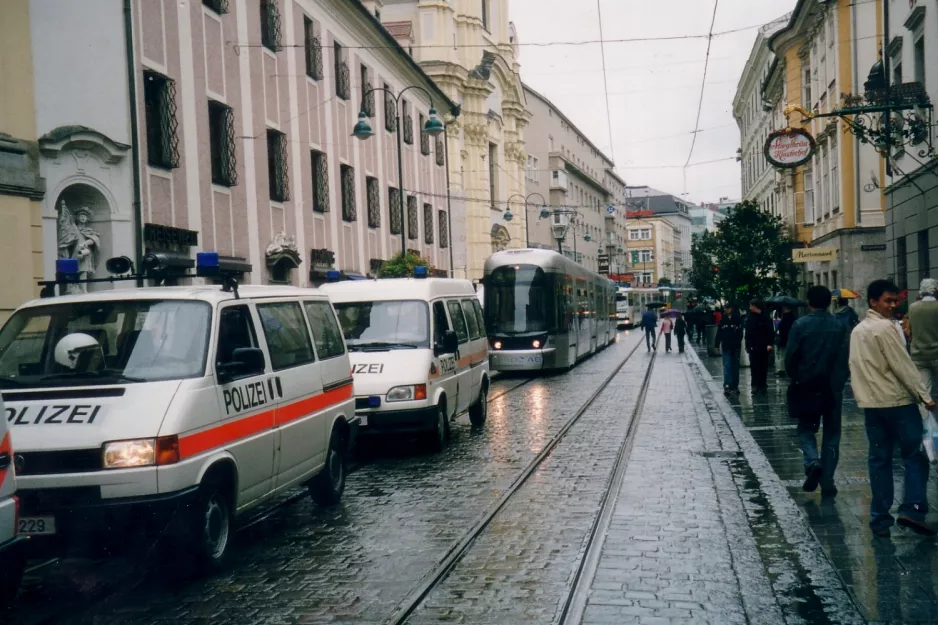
[[661, 504]]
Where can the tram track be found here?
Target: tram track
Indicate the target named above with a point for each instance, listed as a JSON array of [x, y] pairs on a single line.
[[435, 577]]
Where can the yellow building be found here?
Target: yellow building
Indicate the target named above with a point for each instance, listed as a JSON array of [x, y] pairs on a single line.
[[823, 55], [649, 250], [21, 187]]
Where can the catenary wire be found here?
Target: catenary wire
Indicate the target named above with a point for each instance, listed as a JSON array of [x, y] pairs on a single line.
[[602, 54], [703, 84]]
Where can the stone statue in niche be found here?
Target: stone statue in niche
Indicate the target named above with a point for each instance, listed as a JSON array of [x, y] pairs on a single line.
[[77, 239]]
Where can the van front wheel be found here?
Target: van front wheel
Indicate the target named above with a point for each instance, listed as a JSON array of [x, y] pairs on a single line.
[[326, 488], [480, 410], [211, 526]]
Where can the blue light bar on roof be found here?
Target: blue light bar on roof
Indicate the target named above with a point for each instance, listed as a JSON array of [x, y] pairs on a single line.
[[333, 275], [207, 264], [420, 271], [66, 266]]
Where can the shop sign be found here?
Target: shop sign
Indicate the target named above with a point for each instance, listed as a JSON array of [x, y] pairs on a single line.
[[789, 148], [162, 237], [813, 254], [635, 214], [875, 247], [602, 261]]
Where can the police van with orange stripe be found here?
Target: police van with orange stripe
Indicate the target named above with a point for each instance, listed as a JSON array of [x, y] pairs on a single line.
[[172, 410], [418, 350], [12, 552]]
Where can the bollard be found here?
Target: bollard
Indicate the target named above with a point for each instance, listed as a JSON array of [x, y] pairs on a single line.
[[710, 334]]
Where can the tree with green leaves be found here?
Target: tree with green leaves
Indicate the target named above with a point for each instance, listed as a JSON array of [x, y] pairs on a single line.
[[664, 281], [402, 266], [748, 256]]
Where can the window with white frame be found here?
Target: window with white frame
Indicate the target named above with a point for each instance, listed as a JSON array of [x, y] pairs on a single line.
[[918, 57], [824, 195], [531, 173], [831, 58], [639, 234], [835, 178], [808, 175]]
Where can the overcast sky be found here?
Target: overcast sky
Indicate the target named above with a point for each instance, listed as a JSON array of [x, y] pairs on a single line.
[[654, 86]]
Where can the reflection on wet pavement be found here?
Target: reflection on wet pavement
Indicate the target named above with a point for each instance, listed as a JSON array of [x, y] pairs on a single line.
[[891, 579]]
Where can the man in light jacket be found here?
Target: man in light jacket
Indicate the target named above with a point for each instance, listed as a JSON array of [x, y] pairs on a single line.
[[923, 324], [888, 388]]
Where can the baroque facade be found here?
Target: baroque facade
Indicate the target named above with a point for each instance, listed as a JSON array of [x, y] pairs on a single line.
[[226, 125], [486, 142]]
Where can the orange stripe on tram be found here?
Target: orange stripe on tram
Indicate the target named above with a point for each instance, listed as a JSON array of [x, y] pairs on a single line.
[[226, 433]]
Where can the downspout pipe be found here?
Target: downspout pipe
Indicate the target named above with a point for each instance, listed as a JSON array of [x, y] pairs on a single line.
[[856, 140], [134, 138]]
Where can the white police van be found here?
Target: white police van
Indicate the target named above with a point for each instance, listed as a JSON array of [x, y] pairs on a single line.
[[12, 551], [418, 350], [172, 410]]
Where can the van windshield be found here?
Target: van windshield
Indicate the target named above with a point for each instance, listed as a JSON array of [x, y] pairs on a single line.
[[113, 342], [385, 325]]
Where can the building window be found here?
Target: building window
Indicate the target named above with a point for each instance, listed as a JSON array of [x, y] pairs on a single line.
[[368, 96], [438, 150], [221, 133], [833, 280], [373, 189], [424, 137], [320, 170], [347, 175], [823, 197], [408, 124], [808, 193], [219, 6], [550, 143], [270, 25], [532, 169], [493, 176], [806, 91], [394, 210], [277, 174], [444, 229], [390, 109], [343, 87], [918, 55], [835, 179], [902, 265], [924, 255], [313, 49], [159, 95], [485, 14], [413, 226]]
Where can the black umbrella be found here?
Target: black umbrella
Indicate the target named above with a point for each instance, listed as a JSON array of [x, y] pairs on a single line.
[[656, 304], [784, 300]]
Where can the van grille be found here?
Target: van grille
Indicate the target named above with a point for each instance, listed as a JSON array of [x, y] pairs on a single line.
[[55, 462], [361, 403]]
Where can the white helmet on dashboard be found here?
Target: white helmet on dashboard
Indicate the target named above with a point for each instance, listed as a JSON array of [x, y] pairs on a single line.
[[69, 350]]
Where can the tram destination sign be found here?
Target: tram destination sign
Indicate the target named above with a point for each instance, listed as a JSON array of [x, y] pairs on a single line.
[[789, 148]]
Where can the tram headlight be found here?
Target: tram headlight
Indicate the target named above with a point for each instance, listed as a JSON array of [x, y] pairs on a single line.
[[536, 344], [497, 344]]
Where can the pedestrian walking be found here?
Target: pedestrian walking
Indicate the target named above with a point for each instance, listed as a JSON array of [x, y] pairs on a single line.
[[730, 340], [701, 323], [760, 339], [784, 328], [650, 324], [816, 361], [845, 314], [680, 328], [887, 386], [923, 325], [667, 325]]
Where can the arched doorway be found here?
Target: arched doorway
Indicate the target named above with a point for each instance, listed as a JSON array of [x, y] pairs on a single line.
[[83, 230]]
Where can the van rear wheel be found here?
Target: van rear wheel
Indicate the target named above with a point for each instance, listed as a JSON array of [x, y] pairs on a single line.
[[326, 488], [479, 411], [210, 527]]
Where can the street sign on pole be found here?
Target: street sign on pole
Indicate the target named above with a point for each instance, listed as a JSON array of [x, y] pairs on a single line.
[[603, 261]]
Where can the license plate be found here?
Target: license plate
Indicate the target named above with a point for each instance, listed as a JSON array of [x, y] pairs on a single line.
[[36, 525], [527, 360], [363, 420]]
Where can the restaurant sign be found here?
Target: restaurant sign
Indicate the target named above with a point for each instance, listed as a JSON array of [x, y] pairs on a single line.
[[813, 254], [635, 214], [789, 148]]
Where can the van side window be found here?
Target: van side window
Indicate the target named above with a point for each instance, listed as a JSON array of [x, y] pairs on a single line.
[[471, 320], [326, 332], [235, 330], [459, 322], [480, 318], [440, 322], [287, 336]]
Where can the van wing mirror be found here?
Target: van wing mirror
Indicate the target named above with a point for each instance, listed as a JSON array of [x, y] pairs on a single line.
[[450, 342], [245, 361]]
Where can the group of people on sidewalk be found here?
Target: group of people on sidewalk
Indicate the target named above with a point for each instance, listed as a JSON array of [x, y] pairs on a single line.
[[677, 326], [891, 371]]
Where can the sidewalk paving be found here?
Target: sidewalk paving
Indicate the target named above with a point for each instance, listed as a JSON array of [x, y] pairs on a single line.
[[697, 534], [892, 580]]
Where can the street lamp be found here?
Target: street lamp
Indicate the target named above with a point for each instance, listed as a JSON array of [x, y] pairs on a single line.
[[508, 216], [363, 130]]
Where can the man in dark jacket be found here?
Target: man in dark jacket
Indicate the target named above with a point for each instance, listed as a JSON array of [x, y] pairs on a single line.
[[649, 324], [760, 339], [784, 327], [816, 359], [730, 340]]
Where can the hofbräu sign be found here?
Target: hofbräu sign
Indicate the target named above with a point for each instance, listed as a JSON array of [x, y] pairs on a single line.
[[789, 148]]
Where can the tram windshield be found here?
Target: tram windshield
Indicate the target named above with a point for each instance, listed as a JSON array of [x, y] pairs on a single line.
[[520, 299]]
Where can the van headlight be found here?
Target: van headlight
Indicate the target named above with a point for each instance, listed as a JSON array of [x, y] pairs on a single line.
[[142, 452], [411, 392]]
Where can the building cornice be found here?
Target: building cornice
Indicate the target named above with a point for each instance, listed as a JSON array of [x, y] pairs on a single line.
[[566, 119]]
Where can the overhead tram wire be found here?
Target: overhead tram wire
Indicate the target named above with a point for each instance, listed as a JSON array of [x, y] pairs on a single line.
[[703, 85], [602, 54]]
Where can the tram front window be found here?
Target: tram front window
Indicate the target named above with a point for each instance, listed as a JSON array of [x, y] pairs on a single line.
[[520, 299]]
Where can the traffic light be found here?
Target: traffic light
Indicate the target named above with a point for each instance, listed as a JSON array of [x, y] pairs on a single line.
[[716, 269]]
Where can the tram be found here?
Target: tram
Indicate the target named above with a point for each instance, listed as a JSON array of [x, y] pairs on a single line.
[[544, 311]]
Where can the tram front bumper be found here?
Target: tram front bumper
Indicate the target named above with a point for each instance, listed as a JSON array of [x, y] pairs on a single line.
[[519, 360]]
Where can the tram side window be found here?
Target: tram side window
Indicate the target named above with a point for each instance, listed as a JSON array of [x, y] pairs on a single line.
[[459, 322]]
